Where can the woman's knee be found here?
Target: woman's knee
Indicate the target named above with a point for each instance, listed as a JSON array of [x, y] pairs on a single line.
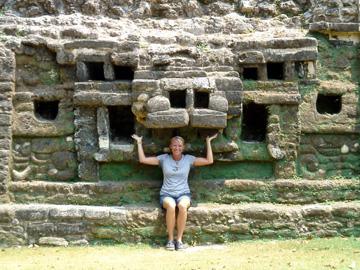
[[169, 204], [184, 204]]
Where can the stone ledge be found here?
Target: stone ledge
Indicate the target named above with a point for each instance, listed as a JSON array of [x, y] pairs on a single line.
[[336, 27], [219, 191], [207, 223]]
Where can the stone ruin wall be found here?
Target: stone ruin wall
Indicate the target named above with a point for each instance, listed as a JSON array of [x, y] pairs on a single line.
[[71, 71]]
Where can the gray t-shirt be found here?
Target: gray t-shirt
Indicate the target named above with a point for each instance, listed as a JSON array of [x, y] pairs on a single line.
[[175, 174]]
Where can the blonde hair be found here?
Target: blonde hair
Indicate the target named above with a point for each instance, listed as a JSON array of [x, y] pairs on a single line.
[[181, 139]]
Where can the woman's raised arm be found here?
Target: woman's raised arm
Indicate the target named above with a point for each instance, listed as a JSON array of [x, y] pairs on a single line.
[[142, 158], [200, 161]]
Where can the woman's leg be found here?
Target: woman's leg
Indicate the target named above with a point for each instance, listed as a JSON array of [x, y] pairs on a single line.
[[170, 205], [183, 205]]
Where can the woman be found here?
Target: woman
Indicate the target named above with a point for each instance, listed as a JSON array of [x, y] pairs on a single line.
[[175, 190]]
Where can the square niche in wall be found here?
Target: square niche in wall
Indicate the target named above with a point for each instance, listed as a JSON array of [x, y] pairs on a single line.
[[95, 71], [122, 124], [275, 71], [328, 104], [124, 73], [250, 73], [201, 99], [254, 122], [46, 110], [177, 99]]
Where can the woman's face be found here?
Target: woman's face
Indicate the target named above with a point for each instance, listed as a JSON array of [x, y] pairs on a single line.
[[176, 146]]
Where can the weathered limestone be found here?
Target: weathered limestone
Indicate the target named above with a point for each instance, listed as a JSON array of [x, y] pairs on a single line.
[[7, 77], [344, 121], [172, 118], [201, 117], [59, 225], [215, 191], [283, 102]]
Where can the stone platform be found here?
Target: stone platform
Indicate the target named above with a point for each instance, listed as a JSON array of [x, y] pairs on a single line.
[[47, 224], [235, 191]]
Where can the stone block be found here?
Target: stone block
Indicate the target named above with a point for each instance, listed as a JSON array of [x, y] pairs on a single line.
[[80, 242], [161, 60], [90, 44], [100, 99], [6, 214], [5, 120], [235, 110], [241, 228], [31, 215], [251, 57], [158, 103], [172, 118], [5, 132], [53, 241], [228, 84], [103, 127], [41, 229], [131, 43], [46, 145], [65, 58], [63, 160], [203, 83], [125, 59], [109, 72], [204, 118], [7, 87], [66, 212], [66, 229], [261, 97], [96, 214], [81, 71], [218, 103], [234, 97], [7, 65], [261, 213], [5, 151], [316, 211], [140, 86], [88, 170], [176, 84]]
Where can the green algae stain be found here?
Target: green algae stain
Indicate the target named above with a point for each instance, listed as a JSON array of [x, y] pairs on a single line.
[[129, 171], [231, 170], [219, 170]]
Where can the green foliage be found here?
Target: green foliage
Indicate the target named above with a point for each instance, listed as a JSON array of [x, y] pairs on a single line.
[[19, 33], [50, 77], [202, 46], [249, 84]]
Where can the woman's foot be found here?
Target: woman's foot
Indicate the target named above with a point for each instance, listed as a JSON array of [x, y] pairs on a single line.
[[179, 245], [170, 245]]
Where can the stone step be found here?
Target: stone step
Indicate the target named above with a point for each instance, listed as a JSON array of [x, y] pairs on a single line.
[[287, 191], [49, 224]]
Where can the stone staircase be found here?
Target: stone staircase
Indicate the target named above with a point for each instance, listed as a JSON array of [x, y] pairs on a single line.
[[127, 212]]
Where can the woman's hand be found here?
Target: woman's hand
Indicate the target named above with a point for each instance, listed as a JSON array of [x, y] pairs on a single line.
[[137, 138], [209, 139]]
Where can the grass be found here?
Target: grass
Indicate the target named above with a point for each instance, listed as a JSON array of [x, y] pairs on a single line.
[[333, 253]]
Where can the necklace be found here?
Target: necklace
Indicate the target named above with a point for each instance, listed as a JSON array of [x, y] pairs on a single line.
[[177, 165]]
